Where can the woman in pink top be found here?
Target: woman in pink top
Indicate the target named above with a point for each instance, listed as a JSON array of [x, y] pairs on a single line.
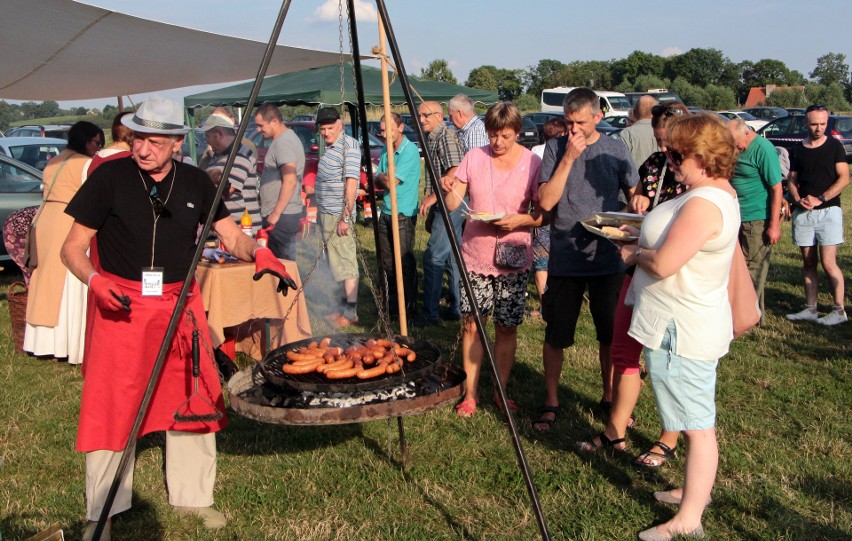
[[502, 182]]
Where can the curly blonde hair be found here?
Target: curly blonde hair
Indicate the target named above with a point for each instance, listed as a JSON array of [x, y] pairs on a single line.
[[704, 136]]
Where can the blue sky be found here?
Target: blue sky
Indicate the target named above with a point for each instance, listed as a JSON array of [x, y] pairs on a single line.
[[517, 34]]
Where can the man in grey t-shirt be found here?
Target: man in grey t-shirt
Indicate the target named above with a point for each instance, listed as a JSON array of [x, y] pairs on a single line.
[[281, 182], [581, 174]]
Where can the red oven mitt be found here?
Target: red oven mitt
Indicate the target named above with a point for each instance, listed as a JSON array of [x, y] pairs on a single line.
[[265, 262], [107, 294]]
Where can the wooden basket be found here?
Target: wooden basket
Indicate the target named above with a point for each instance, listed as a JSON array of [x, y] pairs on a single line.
[[18, 312]]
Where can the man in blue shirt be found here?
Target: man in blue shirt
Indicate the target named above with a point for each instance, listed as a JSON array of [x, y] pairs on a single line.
[[406, 159]]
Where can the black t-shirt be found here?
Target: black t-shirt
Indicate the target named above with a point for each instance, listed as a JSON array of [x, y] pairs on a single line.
[[816, 169], [115, 201]]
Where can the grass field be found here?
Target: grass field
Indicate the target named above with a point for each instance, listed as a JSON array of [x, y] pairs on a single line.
[[784, 432]]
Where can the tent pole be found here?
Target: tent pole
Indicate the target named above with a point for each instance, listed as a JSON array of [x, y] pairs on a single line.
[[476, 314], [365, 144], [178, 311], [391, 187]]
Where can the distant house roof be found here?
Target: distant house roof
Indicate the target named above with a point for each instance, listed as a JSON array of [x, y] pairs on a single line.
[[757, 94]]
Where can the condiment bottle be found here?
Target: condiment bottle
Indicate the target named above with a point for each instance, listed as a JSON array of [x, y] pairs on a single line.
[[245, 223], [262, 237]]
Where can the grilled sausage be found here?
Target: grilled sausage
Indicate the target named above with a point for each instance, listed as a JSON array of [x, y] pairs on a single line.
[[301, 368], [296, 356], [371, 372], [342, 374], [325, 342], [338, 365]]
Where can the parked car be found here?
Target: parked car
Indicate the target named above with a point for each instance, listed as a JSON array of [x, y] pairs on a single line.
[[605, 128], [304, 118], [20, 187], [33, 151], [766, 113], [751, 121], [540, 119], [307, 134], [616, 121], [796, 110], [375, 129], [58, 131], [529, 134], [200, 144], [788, 131]]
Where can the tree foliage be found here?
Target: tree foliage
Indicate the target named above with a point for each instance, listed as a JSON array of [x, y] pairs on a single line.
[[700, 67], [831, 68], [527, 103], [507, 83], [787, 97], [637, 64], [830, 95], [542, 76], [438, 70]]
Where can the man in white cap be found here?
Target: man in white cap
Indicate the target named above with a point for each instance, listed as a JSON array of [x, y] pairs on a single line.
[[146, 210], [241, 195]]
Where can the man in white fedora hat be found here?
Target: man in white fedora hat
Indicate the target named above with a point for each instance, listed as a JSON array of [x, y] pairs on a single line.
[[146, 210]]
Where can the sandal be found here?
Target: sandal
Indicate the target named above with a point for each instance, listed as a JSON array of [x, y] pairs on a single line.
[[590, 446], [466, 408], [548, 422], [653, 459], [512, 405]]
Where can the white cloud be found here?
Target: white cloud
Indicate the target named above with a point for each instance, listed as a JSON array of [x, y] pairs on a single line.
[[329, 11], [672, 51]]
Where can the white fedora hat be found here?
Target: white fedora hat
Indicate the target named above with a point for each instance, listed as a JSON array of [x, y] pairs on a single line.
[[157, 115]]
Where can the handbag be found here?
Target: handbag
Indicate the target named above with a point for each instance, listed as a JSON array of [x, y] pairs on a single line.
[[30, 247], [509, 255], [745, 310]]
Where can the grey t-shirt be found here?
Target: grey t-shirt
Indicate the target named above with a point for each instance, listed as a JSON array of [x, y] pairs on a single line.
[[596, 178], [286, 148]]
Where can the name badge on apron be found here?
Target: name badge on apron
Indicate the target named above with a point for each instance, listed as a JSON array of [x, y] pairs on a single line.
[[152, 282]]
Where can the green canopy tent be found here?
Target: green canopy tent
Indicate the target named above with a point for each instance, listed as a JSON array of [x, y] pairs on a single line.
[[322, 86]]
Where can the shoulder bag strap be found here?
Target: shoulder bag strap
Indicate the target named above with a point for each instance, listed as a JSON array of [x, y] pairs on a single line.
[[47, 196]]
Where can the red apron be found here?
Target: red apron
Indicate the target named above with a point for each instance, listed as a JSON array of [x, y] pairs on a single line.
[[120, 352]]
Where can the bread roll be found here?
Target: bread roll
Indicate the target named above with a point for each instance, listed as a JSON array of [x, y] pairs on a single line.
[[615, 232]]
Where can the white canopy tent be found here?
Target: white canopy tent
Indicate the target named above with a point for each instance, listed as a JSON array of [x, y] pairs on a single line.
[[65, 50]]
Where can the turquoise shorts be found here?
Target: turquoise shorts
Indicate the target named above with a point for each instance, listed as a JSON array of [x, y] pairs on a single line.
[[685, 389]]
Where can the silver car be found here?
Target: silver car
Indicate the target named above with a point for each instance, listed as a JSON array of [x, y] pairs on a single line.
[[33, 151], [20, 187]]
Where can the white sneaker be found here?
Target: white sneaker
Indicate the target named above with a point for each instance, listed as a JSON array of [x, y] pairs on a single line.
[[212, 518], [805, 315], [833, 318]]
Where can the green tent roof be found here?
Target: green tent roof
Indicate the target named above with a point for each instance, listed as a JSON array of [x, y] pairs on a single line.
[[322, 85]]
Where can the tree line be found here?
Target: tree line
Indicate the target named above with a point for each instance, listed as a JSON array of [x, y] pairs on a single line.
[[702, 77]]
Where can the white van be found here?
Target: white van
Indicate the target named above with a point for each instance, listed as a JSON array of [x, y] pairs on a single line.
[[612, 103]]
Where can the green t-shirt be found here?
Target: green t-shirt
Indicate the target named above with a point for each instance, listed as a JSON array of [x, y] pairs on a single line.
[[758, 169]]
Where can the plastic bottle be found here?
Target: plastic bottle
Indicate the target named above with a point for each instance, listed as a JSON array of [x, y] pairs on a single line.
[[245, 223], [262, 238]]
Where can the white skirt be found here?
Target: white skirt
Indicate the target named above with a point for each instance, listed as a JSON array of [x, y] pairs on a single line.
[[68, 337]]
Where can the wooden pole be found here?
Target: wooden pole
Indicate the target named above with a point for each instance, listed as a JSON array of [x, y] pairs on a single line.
[[391, 133]]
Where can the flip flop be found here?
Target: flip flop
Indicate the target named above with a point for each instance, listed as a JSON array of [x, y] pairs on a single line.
[[512, 405], [466, 408]]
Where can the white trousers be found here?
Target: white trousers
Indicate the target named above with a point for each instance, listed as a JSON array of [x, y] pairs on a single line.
[[190, 474]]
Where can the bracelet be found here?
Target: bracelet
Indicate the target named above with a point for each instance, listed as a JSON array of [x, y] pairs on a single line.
[[636, 255]]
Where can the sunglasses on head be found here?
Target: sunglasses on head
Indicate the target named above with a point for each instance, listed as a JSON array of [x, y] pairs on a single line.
[[156, 203], [675, 157], [816, 108], [667, 110]]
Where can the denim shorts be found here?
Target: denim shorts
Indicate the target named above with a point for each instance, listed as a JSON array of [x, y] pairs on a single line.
[[685, 389], [821, 227]]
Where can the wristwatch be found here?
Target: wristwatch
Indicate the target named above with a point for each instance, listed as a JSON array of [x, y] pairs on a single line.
[[821, 197]]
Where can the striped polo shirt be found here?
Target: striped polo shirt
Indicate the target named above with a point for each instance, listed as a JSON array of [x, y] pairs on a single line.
[[243, 180], [329, 186]]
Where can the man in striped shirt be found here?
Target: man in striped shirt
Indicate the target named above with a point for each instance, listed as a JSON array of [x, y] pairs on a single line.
[[470, 127], [446, 152], [241, 195], [338, 172]]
